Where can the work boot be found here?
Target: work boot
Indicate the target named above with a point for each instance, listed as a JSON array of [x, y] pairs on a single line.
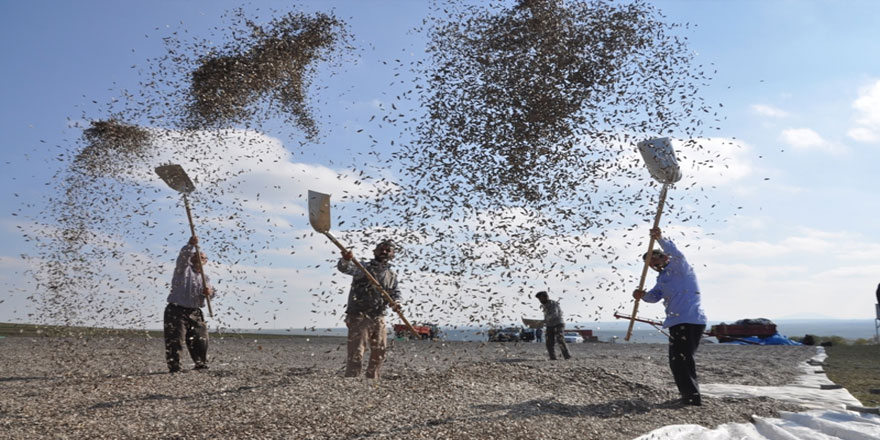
[[693, 400]]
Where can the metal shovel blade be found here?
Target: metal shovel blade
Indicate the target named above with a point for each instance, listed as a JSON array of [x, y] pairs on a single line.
[[660, 158], [176, 178], [533, 323], [319, 211]]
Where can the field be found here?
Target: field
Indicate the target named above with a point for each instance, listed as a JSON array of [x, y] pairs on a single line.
[[107, 386], [856, 368], [104, 383]]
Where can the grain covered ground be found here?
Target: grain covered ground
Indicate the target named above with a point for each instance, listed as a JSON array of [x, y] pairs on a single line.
[[117, 387]]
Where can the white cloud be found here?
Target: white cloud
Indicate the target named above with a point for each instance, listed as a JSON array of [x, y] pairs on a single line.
[[718, 161], [802, 138], [862, 134], [705, 161], [824, 270], [13, 264], [769, 111], [749, 249], [750, 222], [867, 121], [868, 103], [806, 139], [827, 272], [260, 170]]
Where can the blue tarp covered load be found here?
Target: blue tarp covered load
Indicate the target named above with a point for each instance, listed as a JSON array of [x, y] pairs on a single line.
[[776, 339], [760, 331]]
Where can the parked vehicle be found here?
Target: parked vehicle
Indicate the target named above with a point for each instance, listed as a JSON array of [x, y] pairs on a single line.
[[572, 337], [744, 328], [509, 334], [426, 331]]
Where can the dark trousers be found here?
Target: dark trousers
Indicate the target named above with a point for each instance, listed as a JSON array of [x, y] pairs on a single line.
[[683, 342], [555, 336], [185, 325]]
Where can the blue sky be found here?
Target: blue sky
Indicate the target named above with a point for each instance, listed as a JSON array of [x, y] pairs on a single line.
[[794, 235]]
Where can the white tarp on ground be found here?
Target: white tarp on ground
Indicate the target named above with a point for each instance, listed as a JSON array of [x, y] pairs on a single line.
[[806, 390], [810, 425], [829, 420]]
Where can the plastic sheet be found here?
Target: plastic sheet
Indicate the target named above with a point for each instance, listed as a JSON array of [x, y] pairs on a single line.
[[830, 419]]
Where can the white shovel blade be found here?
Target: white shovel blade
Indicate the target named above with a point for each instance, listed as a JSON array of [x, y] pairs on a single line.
[[319, 211], [660, 158]]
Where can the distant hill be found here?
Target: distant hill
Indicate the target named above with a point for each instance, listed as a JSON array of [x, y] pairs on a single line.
[[30, 330], [35, 330], [845, 328]]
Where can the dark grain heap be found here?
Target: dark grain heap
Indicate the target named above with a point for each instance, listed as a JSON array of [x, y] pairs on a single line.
[[271, 64], [531, 103]]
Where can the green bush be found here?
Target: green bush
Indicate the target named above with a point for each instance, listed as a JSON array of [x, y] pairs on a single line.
[[833, 340]]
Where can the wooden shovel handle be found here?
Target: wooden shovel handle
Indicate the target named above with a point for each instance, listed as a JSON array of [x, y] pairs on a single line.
[[632, 320], [192, 228], [391, 302]]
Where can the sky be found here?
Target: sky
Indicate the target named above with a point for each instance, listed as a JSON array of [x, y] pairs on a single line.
[[798, 89]]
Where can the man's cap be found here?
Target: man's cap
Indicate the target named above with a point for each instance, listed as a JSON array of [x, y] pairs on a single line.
[[658, 252], [390, 243], [540, 294]]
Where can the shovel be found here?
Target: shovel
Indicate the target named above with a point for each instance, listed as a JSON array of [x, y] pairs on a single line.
[[176, 178], [660, 158], [319, 217]]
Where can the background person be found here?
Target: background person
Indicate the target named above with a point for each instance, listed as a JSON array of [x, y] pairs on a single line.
[[677, 287], [365, 313], [555, 326], [183, 318]]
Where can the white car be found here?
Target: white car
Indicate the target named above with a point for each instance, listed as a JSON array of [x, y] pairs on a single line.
[[572, 337]]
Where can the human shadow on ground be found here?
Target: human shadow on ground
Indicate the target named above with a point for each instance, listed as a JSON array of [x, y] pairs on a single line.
[[125, 401], [537, 407], [27, 378], [282, 380], [219, 373], [149, 397], [514, 360], [533, 408]]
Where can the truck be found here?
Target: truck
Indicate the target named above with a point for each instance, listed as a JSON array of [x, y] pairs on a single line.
[[586, 334], [507, 334], [744, 328], [424, 330]]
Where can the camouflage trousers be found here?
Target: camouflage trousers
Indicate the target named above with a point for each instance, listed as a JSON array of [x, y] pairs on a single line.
[[365, 331]]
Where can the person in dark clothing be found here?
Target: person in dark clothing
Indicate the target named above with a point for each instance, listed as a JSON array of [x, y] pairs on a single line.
[[877, 307], [184, 322], [677, 287], [365, 313], [555, 326]]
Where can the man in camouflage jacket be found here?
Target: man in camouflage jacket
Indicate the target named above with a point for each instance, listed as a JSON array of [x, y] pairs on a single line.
[[365, 313]]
